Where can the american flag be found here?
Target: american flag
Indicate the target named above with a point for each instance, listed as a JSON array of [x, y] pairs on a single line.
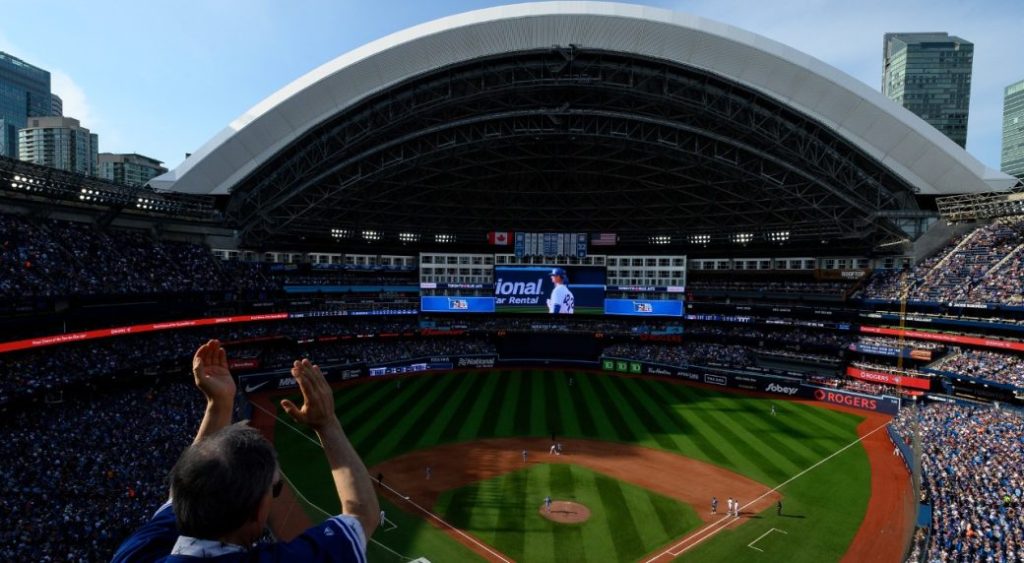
[[603, 239]]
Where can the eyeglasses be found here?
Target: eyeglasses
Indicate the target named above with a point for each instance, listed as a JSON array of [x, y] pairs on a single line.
[[278, 485]]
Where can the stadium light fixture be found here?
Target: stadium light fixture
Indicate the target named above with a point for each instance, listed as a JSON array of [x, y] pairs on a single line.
[[409, 237], [340, 233], [444, 238], [778, 236], [660, 239], [371, 235], [743, 238], [702, 240]]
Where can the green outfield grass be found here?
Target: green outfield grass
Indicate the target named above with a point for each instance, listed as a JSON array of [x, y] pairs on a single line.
[[626, 521], [823, 507]]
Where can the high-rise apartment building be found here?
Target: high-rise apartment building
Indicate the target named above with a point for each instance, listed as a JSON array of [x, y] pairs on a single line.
[[1012, 161], [129, 169], [24, 93], [59, 142], [56, 105], [930, 74]]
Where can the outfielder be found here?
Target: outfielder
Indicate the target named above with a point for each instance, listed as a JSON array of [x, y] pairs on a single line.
[[561, 300]]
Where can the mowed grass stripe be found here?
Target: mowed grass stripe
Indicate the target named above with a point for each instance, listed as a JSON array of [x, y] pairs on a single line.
[[352, 410], [508, 532], [465, 406], [830, 424], [787, 454], [524, 406], [482, 415], [539, 407], [803, 431], [619, 412], [388, 412], [505, 413], [592, 401], [447, 412], [749, 453], [403, 433], [680, 411], [564, 420], [674, 521], [568, 539], [584, 410], [496, 404], [435, 404], [646, 426], [670, 426], [620, 523]]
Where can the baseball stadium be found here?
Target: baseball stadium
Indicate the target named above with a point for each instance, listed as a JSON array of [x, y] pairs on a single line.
[[587, 281]]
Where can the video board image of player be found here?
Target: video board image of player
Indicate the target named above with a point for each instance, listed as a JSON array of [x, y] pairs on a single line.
[[558, 290]]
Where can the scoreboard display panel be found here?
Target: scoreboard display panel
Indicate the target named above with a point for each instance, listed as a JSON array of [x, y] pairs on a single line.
[[577, 290]]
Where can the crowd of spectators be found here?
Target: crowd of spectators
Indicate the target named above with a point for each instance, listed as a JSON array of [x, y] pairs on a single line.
[[384, 351], [699, 353], [973, 478], [1000, 367], [48, 257], [79, 476], [789, 336], [965, 270], [791, 287], [34, 372]]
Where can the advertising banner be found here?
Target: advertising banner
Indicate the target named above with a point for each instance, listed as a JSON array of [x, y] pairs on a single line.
[[643, 307], [888, 405], [444, 304], [889, 378]]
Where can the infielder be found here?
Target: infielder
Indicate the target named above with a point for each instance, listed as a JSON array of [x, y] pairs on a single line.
[[547, 503], [561, 300], [729, 506], [714, 505], [524, 456]]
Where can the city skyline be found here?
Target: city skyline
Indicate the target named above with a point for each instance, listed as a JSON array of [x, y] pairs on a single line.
[[166, 93]]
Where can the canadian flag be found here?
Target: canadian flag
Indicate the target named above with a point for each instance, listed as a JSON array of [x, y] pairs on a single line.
[[499, 238]]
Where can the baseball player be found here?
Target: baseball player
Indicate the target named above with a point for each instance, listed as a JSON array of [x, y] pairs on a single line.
[[773, 409], [736, 508], [561, 301], [428, 472], [730, 506], [524, 456], [778, 508], [714, 505], [547, 503]]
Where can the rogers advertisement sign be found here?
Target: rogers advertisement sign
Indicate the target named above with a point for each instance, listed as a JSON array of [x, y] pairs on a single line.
[[890, 379], [849, 400]]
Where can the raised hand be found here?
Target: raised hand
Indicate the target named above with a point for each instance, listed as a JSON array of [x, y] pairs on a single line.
[[317, 409], [213, 378]]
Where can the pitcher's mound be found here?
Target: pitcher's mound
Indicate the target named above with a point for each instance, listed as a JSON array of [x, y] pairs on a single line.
[[566, 512]]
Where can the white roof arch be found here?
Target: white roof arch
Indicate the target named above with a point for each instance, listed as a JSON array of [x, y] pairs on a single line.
[[909, 146]]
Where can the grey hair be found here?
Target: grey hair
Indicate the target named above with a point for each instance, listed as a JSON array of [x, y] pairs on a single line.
[[218, 483]]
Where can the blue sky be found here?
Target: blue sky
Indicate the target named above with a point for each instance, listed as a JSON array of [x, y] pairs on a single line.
[[161, 77]]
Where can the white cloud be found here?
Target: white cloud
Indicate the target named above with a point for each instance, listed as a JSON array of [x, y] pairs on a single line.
[[76, 104]]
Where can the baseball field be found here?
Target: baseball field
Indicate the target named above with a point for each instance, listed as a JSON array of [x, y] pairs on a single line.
[[642, 456]]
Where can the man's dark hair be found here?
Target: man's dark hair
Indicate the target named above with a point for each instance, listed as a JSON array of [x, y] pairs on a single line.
[[218, 483]]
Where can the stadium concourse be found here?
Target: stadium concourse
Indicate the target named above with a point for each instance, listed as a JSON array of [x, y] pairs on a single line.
[[731, 214]]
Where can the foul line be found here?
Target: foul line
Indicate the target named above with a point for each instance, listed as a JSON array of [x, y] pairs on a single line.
[[398, 494], [751, 544], [712, 529]]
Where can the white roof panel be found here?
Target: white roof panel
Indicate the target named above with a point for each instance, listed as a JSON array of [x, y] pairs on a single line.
[[882, 129]]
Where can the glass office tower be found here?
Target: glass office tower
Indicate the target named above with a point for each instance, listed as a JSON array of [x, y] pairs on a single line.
[[930, 74], [1013, 130], [24, 93]]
